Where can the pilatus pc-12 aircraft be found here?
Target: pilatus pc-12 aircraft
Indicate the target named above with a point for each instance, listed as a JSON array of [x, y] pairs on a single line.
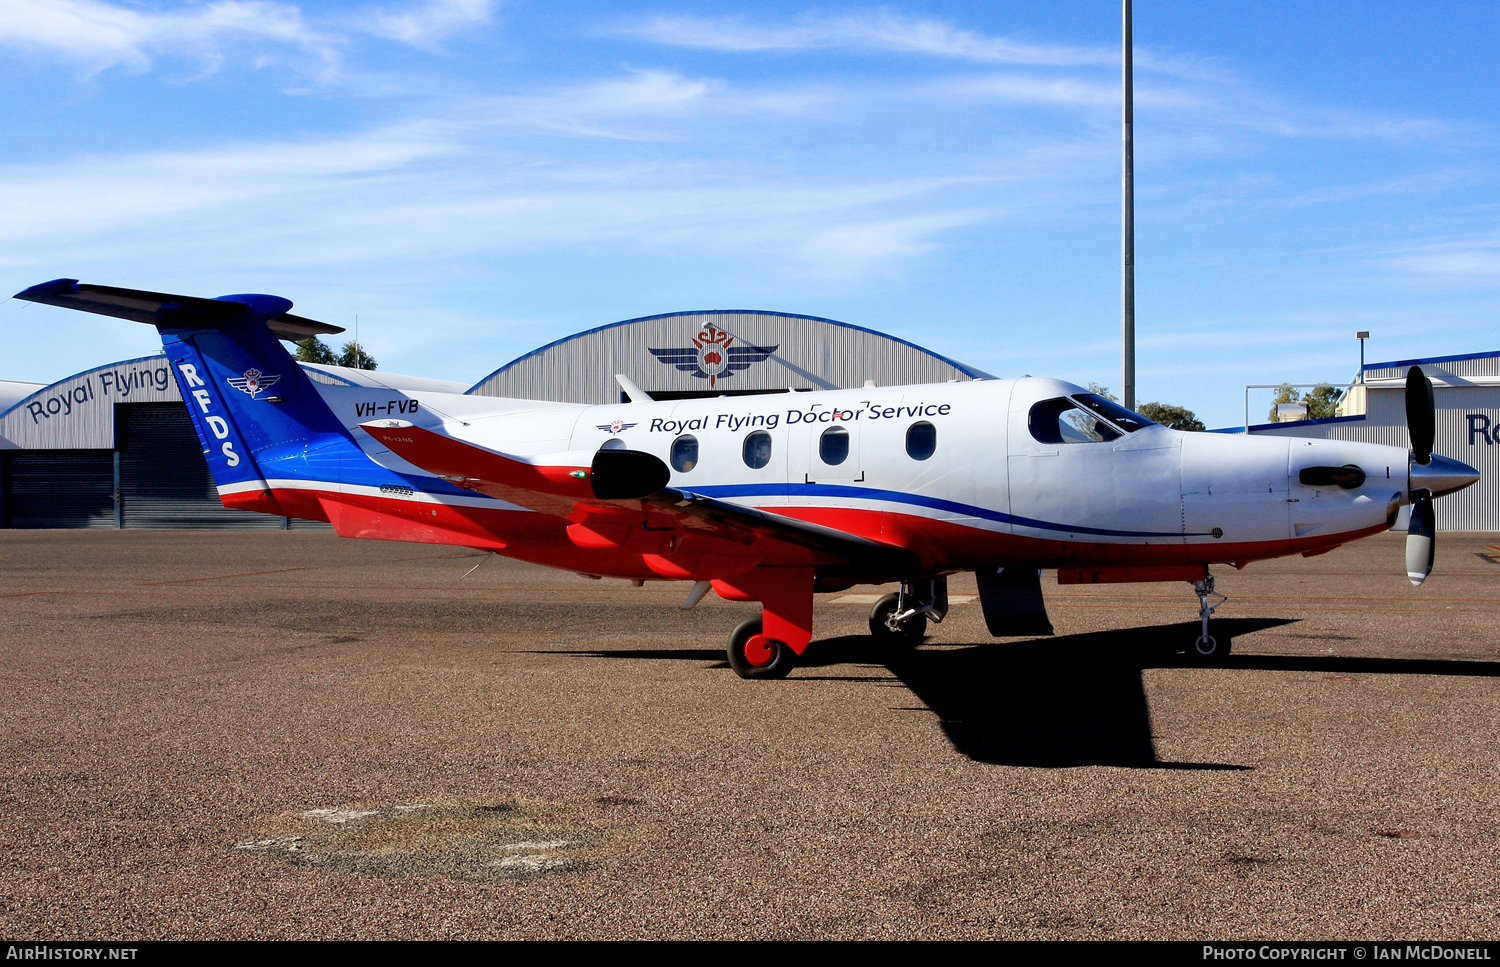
[[773, 498]]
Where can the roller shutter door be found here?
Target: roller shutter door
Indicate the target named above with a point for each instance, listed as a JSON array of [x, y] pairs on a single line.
[[164, 480], [59, 488]]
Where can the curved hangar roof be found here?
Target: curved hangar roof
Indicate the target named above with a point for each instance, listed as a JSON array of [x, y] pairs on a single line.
[[686, 354]]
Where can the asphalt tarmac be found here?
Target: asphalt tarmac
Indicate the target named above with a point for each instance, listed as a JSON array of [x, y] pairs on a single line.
[[285, 734]]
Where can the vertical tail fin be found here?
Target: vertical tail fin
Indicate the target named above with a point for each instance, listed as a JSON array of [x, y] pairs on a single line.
[[257, 414]]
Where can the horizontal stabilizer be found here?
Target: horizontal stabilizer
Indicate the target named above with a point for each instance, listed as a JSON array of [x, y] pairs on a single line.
[[185, 311]]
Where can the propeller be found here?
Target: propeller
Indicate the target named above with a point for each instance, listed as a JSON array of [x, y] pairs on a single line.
[[1421, 418], [1419, 540], [1421, 425]]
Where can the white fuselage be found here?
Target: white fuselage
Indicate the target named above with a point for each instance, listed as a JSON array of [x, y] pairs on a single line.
[[990, 489]]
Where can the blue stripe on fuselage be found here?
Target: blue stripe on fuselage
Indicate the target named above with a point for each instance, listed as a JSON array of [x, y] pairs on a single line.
[[918, 500]]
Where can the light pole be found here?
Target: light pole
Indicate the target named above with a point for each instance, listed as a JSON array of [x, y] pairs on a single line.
[[1127, 231], [1361, 336]]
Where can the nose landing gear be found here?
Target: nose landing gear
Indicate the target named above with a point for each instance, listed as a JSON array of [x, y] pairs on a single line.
[[1207, 648], [901, 618]]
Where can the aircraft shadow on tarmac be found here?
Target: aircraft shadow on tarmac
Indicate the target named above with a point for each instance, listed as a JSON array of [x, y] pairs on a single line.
[[1073, 700]]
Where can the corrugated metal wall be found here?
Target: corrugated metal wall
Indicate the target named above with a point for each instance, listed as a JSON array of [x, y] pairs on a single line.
[[810, 353], [164, 480], [78, 413], [58, 488], [1485, 365]]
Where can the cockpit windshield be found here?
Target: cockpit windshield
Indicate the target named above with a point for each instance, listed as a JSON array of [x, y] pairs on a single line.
[[1085, 418], [1127, 420]]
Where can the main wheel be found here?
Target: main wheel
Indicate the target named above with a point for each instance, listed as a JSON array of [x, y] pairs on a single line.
[[908, 632], [753, 655]]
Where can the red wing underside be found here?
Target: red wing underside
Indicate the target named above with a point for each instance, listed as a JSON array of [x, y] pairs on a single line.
[[680, 533]]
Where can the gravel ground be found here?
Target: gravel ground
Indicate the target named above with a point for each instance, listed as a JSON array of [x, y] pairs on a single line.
[[284, 734]]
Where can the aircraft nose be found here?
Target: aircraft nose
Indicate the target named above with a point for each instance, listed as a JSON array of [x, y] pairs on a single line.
[[1443, 475]]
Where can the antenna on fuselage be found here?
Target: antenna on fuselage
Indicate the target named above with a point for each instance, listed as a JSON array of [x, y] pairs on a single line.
[[632, 392]]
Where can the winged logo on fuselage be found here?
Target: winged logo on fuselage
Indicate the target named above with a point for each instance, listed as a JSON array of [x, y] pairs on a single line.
[[714, 355]]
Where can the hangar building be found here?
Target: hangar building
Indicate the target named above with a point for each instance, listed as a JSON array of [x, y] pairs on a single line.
[[1466, 393], [113, 446], [681, 355]]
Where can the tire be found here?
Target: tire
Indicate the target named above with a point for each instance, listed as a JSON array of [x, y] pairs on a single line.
[[912, 629], [1210, 652], [783, 659]]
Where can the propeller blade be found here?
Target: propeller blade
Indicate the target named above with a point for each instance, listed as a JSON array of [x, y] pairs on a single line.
[[1421, 422], [1419, 540]]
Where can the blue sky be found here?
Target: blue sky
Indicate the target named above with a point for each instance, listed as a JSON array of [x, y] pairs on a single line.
[[474, 179]]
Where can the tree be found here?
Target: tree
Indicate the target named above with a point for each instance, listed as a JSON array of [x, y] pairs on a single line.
[[1103, 391], [314, 350], [1176, 417], [1322, 402], [354, 356]]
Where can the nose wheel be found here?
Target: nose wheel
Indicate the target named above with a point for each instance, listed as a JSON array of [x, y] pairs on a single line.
[[1207, 648], [900, 619], [753, 655], [888, 626]]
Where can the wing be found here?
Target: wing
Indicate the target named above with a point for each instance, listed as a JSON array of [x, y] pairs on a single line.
[[161, 308], [628, 485]]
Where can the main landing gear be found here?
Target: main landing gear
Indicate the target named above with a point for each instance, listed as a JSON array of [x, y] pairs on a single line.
[[768, 646], [1207, 648], [753, 655]]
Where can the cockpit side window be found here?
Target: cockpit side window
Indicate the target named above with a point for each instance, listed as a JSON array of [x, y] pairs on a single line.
[[1064, 421]]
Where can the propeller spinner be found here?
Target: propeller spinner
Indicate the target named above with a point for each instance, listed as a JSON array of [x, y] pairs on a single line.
[[1429, 476]]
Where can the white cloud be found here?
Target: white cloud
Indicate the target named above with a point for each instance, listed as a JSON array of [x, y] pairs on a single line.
[[881, 31], [857, 246], [103, 195], [434, 21], [100, 35], [887, 31], [1475, 257]]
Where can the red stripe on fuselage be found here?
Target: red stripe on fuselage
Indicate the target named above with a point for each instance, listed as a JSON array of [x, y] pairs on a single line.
[[941, 545]]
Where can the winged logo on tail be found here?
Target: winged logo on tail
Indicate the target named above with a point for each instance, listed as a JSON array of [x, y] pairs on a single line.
[[254, 382]]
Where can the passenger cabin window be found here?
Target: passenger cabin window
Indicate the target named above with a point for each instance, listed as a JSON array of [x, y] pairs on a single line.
[[833, 446], [921, 440], [684, 453], [1086, 418], [757, 450]]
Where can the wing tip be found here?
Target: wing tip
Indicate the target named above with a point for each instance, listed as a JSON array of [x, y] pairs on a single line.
[[44, 290]]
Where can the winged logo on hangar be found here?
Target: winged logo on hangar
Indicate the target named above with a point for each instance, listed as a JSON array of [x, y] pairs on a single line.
[[714, 355]]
